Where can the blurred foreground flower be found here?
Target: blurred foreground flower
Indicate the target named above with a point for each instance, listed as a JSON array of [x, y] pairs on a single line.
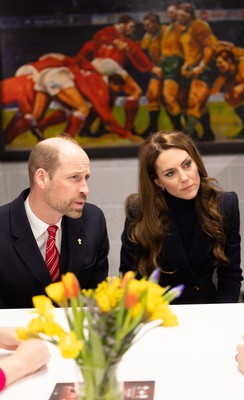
[[103, 322]]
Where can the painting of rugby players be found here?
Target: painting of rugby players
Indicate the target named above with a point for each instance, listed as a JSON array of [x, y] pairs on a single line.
[[110, 74]]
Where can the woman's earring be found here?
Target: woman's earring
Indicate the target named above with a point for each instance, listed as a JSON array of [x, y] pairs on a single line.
[[163, 189]]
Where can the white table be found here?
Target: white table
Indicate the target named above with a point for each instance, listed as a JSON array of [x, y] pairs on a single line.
[[194, 361]]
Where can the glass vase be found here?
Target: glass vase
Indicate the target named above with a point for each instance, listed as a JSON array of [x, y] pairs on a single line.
[[99, 383]]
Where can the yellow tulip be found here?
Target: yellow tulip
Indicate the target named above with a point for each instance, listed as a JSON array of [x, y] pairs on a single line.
[[56, 292]]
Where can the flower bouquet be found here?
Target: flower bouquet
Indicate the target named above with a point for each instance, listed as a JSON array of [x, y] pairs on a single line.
[[103, 324]]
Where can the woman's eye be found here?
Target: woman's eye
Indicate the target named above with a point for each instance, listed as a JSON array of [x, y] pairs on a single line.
[[170, 173], [188, 164]]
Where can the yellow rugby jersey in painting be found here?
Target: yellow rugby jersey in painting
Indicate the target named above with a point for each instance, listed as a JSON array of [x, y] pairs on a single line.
[[195, 38], [152, 44], [171, 44]]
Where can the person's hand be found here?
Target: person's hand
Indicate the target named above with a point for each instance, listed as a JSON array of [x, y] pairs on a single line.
[[157, 71], [29, 356], [186, 71], [8, 338], [238, 91], [32, 354], [198, 69], [120, 44], [240, 357]]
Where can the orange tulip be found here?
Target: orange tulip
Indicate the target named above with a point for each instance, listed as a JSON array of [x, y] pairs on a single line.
[[131, 299], [71, 285]]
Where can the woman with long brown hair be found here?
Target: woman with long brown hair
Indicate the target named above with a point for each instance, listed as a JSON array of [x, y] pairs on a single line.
[[182, 222]]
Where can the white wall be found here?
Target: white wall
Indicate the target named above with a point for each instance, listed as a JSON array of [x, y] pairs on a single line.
[[113, 179]]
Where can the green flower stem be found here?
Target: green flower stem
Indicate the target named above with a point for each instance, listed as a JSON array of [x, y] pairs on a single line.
[[127, 330], [121, 310], [97, 351], [70, 322], [100, 383], [78, 316], [136, 320]]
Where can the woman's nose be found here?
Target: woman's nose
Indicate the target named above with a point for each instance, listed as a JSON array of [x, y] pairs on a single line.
[[183, 176]]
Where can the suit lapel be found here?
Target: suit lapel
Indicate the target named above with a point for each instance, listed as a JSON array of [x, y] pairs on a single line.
[[25, 244], [31, 256], [73, 246]]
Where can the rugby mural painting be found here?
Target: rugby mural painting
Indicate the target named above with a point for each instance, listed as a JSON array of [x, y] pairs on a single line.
[[110, 75]]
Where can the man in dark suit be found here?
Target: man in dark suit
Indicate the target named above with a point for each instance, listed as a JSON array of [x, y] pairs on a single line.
[[58, 171]]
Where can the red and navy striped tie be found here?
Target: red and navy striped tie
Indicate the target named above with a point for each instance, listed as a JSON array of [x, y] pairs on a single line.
[[52, 254]]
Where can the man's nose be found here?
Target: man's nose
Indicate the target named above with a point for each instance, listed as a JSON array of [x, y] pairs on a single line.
[[84, 187]]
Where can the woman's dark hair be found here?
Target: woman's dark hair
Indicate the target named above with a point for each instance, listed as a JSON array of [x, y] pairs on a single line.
[[148, 213]]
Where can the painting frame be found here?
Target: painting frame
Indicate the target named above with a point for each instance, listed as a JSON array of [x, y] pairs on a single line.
[[12, 24]]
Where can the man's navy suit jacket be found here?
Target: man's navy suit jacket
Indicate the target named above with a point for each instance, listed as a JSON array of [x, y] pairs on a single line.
[[23, 271]]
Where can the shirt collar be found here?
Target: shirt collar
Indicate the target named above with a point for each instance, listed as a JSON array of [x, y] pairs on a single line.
[[37, 225]]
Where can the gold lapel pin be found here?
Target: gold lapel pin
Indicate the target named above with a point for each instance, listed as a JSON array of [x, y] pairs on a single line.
[[79, 241]]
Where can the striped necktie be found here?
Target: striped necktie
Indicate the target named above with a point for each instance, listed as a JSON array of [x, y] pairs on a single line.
[[52, 254]]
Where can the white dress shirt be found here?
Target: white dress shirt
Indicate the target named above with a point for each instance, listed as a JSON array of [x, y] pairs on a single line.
[[39, 229]]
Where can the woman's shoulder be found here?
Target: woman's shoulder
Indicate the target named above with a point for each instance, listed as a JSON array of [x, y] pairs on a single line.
[[228, 201], [132, 206], [228, 197]]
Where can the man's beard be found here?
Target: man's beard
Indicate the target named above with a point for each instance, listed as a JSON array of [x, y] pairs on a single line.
[[63, 208]]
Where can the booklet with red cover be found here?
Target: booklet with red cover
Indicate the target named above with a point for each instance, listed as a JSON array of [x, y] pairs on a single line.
[[138, 390]]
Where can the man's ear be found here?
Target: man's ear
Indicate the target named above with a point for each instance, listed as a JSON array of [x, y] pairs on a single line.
[[42, 178]]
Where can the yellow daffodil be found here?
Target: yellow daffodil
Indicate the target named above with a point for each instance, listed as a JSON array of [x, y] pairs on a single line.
[[102, 322], [24, 334], [87, 292], [108, 294], [37, 325], [136, 310], [70, 346], [53, 329], [164, 313], [43, 305]]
